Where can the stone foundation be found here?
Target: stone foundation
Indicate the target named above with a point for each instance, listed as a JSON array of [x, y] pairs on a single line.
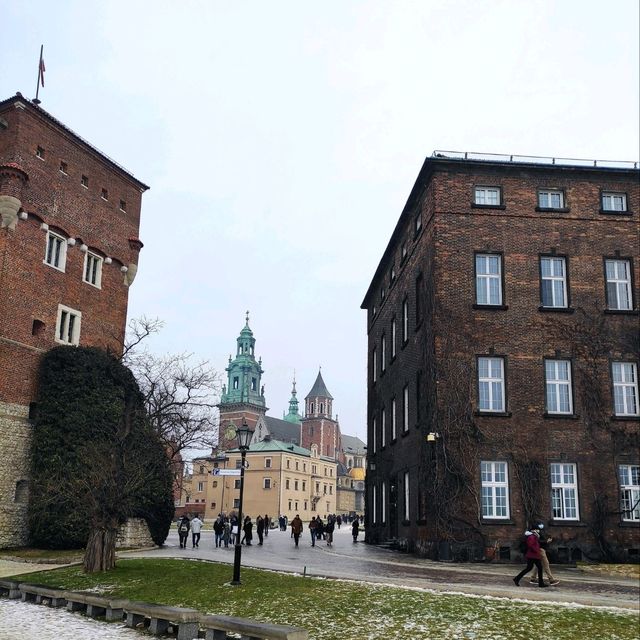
[[135, 533]]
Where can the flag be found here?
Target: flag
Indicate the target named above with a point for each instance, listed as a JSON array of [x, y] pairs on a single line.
[[41, 70]]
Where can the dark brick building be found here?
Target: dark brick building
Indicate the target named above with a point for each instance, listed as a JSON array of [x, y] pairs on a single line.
[[503, 360], [69, 247]]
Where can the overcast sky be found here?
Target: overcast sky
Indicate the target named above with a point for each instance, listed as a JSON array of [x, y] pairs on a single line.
[[281, 141]]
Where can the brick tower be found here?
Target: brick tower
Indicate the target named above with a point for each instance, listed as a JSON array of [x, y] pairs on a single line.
[[69, 220]]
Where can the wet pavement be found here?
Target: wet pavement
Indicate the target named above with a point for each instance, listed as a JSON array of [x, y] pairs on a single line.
[[364, 562]]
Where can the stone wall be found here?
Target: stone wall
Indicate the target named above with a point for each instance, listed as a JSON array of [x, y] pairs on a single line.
[[135, 533], [15, 435]]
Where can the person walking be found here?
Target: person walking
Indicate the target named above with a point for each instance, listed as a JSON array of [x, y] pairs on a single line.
[[260, 529], [319, 528], [267, 524], [218, 530], [313, 525], [226, 532], [196, 527], [355, 529], [544, 543], [339, 521], [183, 530], [296, 529], [235, 529], [533, 557], [247, 529], [329, 528]]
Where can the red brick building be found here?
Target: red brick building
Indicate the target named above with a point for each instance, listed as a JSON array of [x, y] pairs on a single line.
[[503, 360], [69, 247]]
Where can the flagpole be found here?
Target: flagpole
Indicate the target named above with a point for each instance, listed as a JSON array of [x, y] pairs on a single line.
[[36, 101]]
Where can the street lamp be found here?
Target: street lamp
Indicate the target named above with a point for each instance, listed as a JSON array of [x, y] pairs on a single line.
[[243, 435]]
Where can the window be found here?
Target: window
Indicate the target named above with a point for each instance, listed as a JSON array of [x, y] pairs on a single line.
[[553, 274], [68, 325], [200, 486], [84, 181], [393, 419], [287, 484], [393, 338], [40, 153], [419, 298], [374, 366], [418, 223], [104, 194], [487, 196], [239, 463], [625, 388], [383, 353], [202, 469], [551, 199], [236, 382], [374, 434], [491, 384], [93, 269], [123, 205], [614, 201], [382, 294], [405, 408], [383, 428], [236, 484], [495, 489], [488, 279], [297, 465], [405, 320], [304, 485], [383, 503], [403, 251], [63, 167], [288, 463], [418, 394], [406, 496], [374, 504], [558, 394], [56, 251], [564, 492], [236, 503], [295, 485], [37, 328], [392, 276], [254, 384], [618, 275], [267, 463], [630, 492], [330, 490]]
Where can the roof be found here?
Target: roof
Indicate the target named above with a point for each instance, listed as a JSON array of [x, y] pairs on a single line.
[[458, 159], [319, 389], [276, 446], [283, 430], [83, 143], [353, 445]]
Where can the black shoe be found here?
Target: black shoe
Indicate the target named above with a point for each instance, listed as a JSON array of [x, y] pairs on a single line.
[[516, 582], [542, 586]]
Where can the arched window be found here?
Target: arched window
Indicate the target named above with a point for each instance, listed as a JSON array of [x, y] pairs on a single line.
[[321, 408], [311, 407]]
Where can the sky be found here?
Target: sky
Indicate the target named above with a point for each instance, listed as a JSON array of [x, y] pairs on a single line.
[[281, 140]]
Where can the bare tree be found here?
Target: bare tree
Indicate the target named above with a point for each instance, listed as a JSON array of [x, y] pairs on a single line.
[[179, 394]]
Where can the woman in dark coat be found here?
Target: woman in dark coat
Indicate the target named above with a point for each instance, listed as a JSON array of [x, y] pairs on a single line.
[[260, 528], [355, 529], [247, 528], [533, 557]]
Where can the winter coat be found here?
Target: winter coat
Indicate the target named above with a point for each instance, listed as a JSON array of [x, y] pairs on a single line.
[[296, 526], [533, 547], [184, 521], [196, 525]]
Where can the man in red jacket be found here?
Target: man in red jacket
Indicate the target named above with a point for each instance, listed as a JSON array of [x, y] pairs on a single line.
[[533, 557]]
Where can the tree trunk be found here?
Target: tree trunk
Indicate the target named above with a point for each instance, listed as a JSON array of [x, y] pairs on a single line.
[[100, 554]]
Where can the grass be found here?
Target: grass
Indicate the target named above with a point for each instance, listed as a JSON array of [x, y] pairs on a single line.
[[625, 570], [331, 609], [62, 555]]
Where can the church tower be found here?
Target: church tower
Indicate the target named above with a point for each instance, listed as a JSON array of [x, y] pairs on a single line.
[[243, 395], [293, 415], [318, 425]]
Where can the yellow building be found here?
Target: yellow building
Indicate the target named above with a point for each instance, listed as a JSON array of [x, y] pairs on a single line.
[[280, 479]]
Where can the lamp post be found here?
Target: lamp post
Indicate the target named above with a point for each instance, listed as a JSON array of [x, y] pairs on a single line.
[[243, 435]]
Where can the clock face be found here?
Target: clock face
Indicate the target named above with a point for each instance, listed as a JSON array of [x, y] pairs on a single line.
[[230, 433]]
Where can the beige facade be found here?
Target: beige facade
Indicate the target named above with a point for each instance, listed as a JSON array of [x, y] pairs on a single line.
[[280, 479]]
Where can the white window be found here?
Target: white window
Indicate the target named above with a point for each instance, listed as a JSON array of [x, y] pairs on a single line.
[[418, 223], [405, 408], [405, 321], [564, 492], [374, 504], [267, 463], [68, 325], [554, 282], [495, 489], [491, 384], [383, 353], [488, 279], [614, 201], [393, 419], [383, 428], [487, 195], [374, 434], [56, 252], [393, 338], [618, 273], [557, 376], [407, 512], [383, 502], [625, 388], [93, 269], [630, 492], [403, 251], [551, 199], [374, 363], [200, 486]]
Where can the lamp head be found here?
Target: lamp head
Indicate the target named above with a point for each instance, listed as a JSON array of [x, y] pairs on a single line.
[[244, 435]]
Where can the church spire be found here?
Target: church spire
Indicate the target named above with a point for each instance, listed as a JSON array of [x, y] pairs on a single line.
[[319, 400], [293, 415]]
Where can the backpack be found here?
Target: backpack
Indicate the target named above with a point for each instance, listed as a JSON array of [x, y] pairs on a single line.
[[184, 528]]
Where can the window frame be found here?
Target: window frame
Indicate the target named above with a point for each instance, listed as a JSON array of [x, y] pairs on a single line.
[[405, 320], [75, 330], [62, 254], [268, 463], [558, 383], [383, 353], [565, 282], [99, 260], [630, 282], [374, 364], [405, 409], [406, 496], [503, 362], [494, 484], [494, 254], [383, 428], [266, 483], [634, 490], [635, 386], [394, 424], [551, 190], [394, 332], [487, 205], [608, 193], [561, 486]]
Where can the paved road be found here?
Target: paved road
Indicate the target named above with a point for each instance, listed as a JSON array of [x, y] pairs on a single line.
[[364, 562]]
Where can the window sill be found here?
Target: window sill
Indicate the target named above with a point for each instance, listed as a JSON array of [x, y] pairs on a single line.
[[474, 205], [556, 309], [491, 307], [621, 312], [609, 212], [560, 416], [493, 414], [494, 521], [566, 523], [629, 524], [626, 418], [553, 209]]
